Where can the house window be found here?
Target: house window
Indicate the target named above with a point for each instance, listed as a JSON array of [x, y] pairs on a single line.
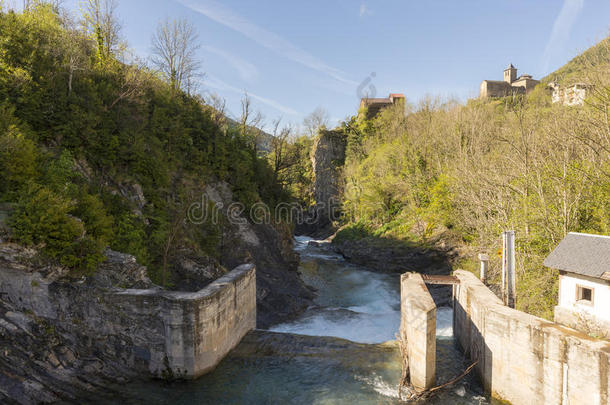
[[584, 294]]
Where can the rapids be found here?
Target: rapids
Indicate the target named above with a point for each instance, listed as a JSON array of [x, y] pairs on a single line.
[[340, 351]]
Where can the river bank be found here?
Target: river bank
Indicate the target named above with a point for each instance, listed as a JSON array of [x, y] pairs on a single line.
[[390, 256], [341, 350]]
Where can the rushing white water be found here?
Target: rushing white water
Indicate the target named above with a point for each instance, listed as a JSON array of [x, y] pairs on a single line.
[[353, 303], [444, 322]]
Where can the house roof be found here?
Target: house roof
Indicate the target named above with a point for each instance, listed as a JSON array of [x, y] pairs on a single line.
[[581, 253], [386, 100], [377, 100], [502, 82]]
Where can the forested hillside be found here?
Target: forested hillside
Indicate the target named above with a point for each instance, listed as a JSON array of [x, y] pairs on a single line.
[[583, 66], [96, 151], [462, 174]]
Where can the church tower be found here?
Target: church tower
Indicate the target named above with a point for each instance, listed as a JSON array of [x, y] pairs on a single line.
[[510, 74]]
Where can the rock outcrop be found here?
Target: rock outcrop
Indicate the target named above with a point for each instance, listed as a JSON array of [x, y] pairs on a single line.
[[50, 349], [328, 158], [397, 257], [62, 337], [281, 294]]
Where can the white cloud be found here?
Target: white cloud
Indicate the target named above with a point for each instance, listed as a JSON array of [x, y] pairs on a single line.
[[246, 70], [561, 29], [268, 39], [218, 84]]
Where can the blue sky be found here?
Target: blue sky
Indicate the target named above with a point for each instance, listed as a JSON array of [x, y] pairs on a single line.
[[292, 57]]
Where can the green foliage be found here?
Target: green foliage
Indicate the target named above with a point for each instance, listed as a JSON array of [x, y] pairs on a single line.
[[130, 237], [42, 218], [18, 162], [75, 133], [353, 231], [450, 172], [91, 211], [579, 67]]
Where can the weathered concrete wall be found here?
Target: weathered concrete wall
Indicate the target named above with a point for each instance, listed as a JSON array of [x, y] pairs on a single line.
[[582, 321], [525, 359], [167, 333], [418, 327], [199, 328]]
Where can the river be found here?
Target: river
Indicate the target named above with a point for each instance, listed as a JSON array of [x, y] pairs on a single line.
[[340, 351]]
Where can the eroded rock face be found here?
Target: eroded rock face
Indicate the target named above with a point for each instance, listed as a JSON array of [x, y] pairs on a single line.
[[57, 338], [43, 363], [121, 270], [328, 158], [193, 272], [281, 294]]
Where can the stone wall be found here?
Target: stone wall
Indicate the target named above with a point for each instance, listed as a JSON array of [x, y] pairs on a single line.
[[496, 88], [525, 359], [582, 321], [418, 328], [571, 95]]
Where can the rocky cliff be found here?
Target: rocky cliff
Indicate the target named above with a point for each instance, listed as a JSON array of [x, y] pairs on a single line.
[[280, 292], [62, 337], [56, 335], [328, 158]]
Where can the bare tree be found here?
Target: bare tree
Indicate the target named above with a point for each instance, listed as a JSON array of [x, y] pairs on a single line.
[[279, 148], [75, 58], [30, 5], [174, 46], [316, 120], [219, 106], [131, 83], [250, 122], [101, 22]]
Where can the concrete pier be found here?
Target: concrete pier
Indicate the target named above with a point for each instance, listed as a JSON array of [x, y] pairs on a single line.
[[418, 327]]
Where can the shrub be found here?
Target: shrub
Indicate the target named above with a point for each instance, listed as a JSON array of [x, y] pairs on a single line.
[[18, 162], [42, 218]]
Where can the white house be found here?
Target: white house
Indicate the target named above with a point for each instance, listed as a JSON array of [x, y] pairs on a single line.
[[574, 94], [583, 261]]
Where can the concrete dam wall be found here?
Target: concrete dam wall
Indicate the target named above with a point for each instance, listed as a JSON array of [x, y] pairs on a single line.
[[418, 329], [198, 329], [525, 359], [156, 332]]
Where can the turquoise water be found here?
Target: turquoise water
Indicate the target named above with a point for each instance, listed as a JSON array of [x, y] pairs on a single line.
[[340, 351]]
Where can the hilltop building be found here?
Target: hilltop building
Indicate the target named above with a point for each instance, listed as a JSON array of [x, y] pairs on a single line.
[[373, 106], [574, 94], [510, 85], [583, 262]]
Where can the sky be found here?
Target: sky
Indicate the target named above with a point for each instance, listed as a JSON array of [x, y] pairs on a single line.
[[292, 57]]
